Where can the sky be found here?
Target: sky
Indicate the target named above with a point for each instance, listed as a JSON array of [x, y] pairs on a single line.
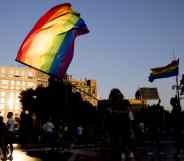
[[126, 39]]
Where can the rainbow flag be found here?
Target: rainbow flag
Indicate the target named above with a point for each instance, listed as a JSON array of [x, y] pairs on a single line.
[[165, 71], [50, 44]]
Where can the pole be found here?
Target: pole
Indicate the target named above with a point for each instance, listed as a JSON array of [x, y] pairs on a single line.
[[177, 90], [177, 87]]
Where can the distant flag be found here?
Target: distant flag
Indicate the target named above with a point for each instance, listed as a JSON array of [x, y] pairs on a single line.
[[165, 71], [50, 44]]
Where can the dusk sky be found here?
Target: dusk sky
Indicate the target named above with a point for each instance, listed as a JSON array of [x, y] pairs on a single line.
[[126, 39]]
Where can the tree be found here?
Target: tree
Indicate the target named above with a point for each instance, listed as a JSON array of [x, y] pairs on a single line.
[[44, 101], [58, 101], [27, 99]]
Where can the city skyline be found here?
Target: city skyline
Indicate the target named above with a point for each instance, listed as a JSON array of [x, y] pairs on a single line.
[[126, 39]]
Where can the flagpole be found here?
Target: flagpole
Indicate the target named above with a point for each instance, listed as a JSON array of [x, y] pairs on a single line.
[[177, 87], [177, 83], [177, 90]]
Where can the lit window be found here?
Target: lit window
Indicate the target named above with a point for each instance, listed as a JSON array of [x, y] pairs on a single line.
[[5, 82], [2, 94], [18, 88], [12, 82], [11, 103], [2, 100], [2, 106], [31, 84], [11, 87], [18, 83], [11, 94]]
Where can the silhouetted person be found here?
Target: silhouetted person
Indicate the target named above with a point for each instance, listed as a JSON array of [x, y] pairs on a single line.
[[49, 132], [155, 128], [118, 125], [10, 127], [26, 128], [177, 123], [3, 138]]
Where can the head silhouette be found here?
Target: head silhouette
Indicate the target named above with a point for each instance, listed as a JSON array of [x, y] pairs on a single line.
[[10, 114], [115, 97]]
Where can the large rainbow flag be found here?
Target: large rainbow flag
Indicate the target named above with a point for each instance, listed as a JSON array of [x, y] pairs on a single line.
[[50, 44], [165, 71]]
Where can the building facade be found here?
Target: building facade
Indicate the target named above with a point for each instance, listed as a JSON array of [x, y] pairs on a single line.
[[87, 88], [12, 81], [15, 79]]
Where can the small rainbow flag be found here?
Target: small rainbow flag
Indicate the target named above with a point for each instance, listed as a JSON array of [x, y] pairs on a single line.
[[165, 71], [50, 44]]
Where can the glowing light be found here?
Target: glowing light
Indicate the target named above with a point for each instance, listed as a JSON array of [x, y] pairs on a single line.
[[2, 100], [19, 155], [2, 106], [27, 112], [11, 101], [2, 93]]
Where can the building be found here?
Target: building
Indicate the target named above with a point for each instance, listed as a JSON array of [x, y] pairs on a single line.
[[87, 88], [148, 95], [137, 104], [15, 79], [12, 81]]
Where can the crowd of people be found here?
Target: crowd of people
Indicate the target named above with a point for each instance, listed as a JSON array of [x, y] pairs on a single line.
[[118, 127], [127, 128]]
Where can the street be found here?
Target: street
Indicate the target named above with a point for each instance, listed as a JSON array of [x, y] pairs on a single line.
[[147, 152]]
